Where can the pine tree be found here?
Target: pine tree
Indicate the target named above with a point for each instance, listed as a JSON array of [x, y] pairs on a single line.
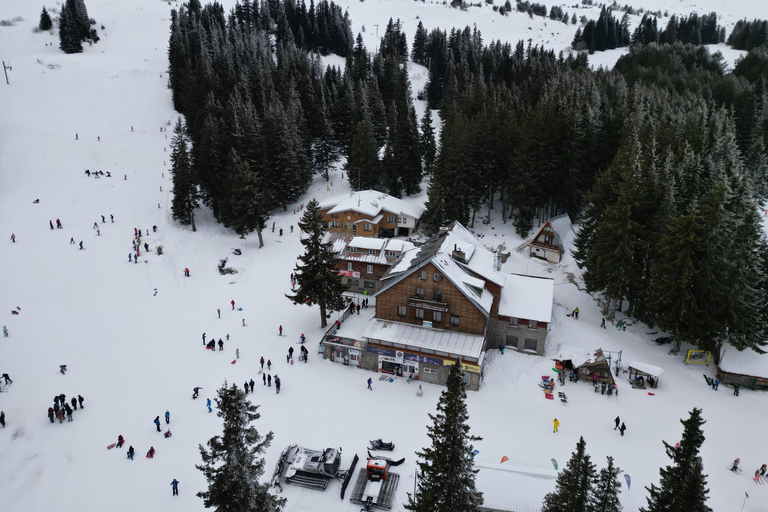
[[683, 485], [446, 480], [74, 26], [185, 194], [427, 144], [231, 462], [45, 20], [244, 203], [363, 163], [607, 488], [317, 278], [574, 487]]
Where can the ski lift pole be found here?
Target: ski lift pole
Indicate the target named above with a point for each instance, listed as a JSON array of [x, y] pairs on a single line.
[[745, 500], [5, 70]]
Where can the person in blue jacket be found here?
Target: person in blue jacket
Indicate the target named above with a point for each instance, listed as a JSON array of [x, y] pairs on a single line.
[[175, 486], [209, 405]]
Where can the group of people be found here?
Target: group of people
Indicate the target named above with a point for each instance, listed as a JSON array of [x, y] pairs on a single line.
[[211, 344], [62, 408], [760, 472], [619, 425], [356, 308]]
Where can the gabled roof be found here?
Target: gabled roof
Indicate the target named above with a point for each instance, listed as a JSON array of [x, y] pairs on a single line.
[[372, 203], [527, 297], [453, 343], [477, 258], [549, 228], [381, 245], [435, 252]]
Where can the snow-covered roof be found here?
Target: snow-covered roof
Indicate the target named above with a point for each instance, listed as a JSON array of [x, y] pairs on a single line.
[[371, 203], [527, 297], [746, 362], [398, 245], [366, 242], [450, 342], [511, 488], [478, 259], [649, 369]]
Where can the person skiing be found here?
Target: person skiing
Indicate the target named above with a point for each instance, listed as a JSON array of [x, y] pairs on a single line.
[[80, 400], [157, 423], [556, 424], [175, 487], [370, 381], [252, 384], [120, 441], [195, 391], [281, 231], [208, 404], [167, 417], [756, 479], [269, 381], [280, 329], [762, 469], [277, 385], [7, 378], [151, 452], [131, 452], [735, 467], [622, 428], [302, 337], [233, 305]]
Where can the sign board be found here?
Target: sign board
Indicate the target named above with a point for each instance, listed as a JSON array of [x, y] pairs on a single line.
[[380, 351], [464, 366], [422, 359], [426, 323], [349, 273]]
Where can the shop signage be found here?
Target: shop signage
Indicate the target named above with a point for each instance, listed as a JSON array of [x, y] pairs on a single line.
[[343, 341], [380, 351], [464, 366], [350, 273], [422, 359]]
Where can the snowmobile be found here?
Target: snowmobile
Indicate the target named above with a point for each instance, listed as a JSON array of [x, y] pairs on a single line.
[[311, 468], [376, 485], [378, 444]]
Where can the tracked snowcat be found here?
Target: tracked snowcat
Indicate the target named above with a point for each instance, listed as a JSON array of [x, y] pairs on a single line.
[[311, 468], [376, 484]]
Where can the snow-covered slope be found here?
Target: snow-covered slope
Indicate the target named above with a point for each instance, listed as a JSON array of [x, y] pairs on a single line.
[[133, 355]]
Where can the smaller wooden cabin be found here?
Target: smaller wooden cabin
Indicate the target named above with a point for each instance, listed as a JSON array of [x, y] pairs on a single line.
[[599, 366], [642, 372]]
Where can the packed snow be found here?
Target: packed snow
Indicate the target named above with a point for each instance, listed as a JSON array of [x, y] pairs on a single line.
[[130, 333]]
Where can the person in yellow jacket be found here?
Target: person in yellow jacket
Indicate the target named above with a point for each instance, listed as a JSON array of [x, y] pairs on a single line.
[[557, 424]]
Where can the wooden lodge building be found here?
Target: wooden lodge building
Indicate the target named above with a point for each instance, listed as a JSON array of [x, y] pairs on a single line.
[[363, 261], [370, 213], [446, 301]]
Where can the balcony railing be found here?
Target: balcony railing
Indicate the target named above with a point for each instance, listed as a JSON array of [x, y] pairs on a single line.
[[429, 305]]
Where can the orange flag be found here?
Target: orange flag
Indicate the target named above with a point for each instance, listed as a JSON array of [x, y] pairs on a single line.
[[504, 459]]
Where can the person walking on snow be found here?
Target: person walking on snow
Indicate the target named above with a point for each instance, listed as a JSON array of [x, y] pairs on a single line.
[[237, 353], [203, 338], [74, 403], [556, 424], [157, 423], [80, 400], [290, 353], [208, 404], [233, 305], [13, 238], [277, 385], [175, 486], [717, 383], [603, 324], [252, 384], [576, 313], [370, 381], [622, 428], [221, 345], [120, 441], [81, 245], [269, 365], [2, 421], [51, 224], [618, 422], [269, 381], [219, 312], [280, 333], [58, 224], [735, 466], [264, 378], [167, 417], [262, 362]]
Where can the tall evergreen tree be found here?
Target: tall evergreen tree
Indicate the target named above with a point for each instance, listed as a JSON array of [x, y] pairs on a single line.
[[607, 488], [427, 144], [683, 485], [574, 487], [317, 278], [245, 211], [446, 480], [74, 26], [231, 462], [185, 194], [363, 158], [45, 20]]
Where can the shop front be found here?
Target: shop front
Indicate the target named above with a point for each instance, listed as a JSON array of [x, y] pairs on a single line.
[[346, 351]]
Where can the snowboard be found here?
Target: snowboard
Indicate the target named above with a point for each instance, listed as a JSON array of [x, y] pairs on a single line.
[[111, 446]]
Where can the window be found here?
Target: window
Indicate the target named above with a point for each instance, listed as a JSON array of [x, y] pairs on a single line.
[[423, 274], [345, 225], [334, 223], [437, 295], [511, 341], [394, 254], [420, 313], [437, 317], [436, 277], [455, 320], [350, 266], [530, 344], [334, 216], [370, 285], [513, 321], [369, 269], [401, 221], [353, 283], [372, 251], [533, 324], [402, 311], [367, 227], [420, 292], [391, 219]]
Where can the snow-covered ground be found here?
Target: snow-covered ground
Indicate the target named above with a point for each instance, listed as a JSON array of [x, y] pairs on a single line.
[[133, 355]]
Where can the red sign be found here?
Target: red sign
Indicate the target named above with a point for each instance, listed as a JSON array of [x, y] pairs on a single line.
[[349, 273]]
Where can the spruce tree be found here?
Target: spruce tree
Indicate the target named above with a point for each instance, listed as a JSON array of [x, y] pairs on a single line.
[[231, 462], [45, 20], [185, 194], [607, 488], [363, 163], [446, 479], [574, 488], [74, 26], [317, 278], [244, 203], [683, 485], [427, 144]]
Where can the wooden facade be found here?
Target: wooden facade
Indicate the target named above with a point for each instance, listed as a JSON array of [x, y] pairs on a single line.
[[441, 300], [351, 222], [546, 244]]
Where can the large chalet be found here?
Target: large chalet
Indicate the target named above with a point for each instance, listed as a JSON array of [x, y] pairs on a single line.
[[363, 261], [370, 213]]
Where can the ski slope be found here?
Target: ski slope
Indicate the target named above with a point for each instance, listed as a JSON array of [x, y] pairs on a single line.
[[133, 355]]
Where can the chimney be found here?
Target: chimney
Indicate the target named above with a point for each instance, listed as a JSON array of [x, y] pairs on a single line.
[[458, 254]]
